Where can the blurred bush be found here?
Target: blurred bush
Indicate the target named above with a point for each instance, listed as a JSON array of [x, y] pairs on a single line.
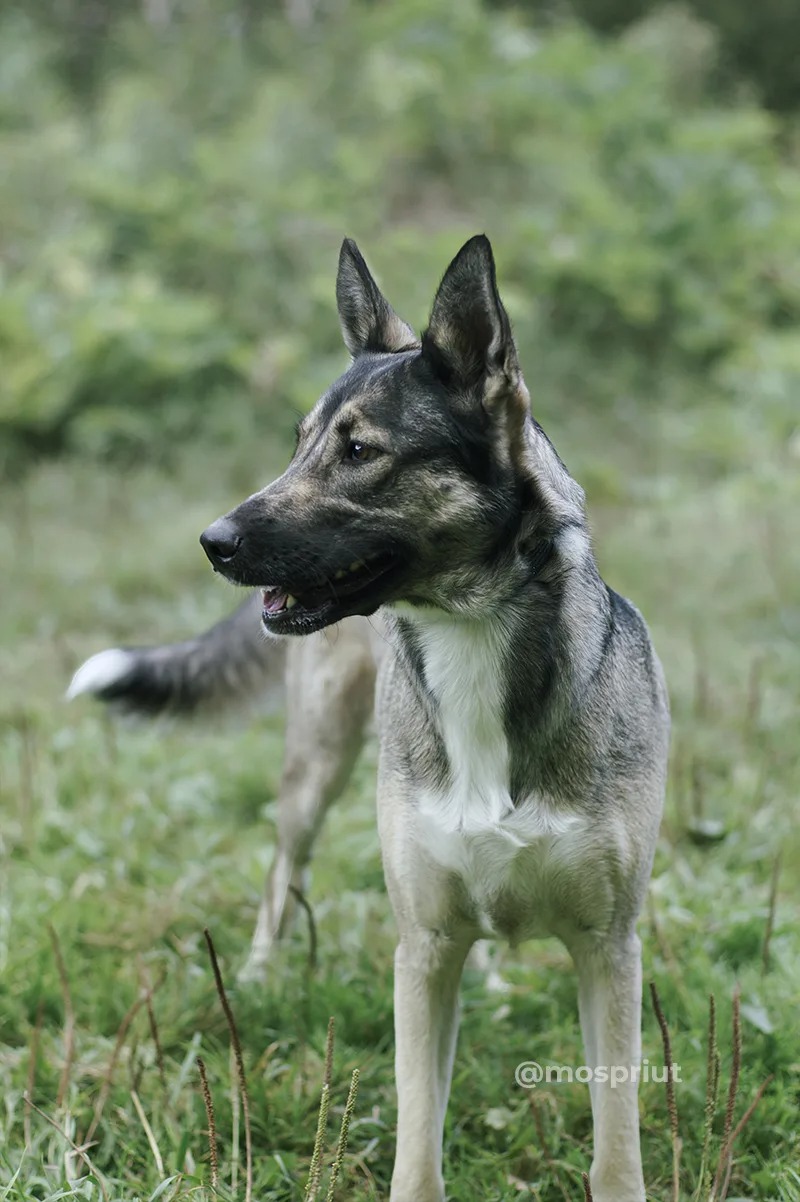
[[171, 245], [757, 42]]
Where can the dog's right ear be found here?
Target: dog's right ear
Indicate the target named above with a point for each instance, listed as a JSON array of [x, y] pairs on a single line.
[[369, 323]]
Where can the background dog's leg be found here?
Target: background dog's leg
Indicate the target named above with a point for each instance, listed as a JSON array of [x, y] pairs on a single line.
[[610, 1002], [427, 974], [485, 961], [330, 691]]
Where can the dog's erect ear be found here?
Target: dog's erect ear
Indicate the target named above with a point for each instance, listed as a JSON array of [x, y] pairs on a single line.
[[369, 323], [469, 337], [470, 346]]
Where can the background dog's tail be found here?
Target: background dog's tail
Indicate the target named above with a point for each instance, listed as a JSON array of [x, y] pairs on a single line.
[[229, 663]]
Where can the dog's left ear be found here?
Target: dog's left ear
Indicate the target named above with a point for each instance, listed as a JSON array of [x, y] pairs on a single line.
[[469, 337], [471, 348], [368, 321]]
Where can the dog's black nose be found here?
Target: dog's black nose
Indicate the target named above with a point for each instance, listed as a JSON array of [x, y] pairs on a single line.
[[220, 541]]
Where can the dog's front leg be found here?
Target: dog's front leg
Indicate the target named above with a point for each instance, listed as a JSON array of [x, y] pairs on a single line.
[[428, 969], [610, 1000]]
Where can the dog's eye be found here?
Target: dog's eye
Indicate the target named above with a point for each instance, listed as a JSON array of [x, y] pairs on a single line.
[[359, 452]]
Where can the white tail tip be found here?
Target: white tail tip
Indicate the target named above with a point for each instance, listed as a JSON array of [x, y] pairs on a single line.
[[99, 672]]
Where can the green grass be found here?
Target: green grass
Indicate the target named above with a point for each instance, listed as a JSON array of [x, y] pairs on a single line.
[[129, 840]]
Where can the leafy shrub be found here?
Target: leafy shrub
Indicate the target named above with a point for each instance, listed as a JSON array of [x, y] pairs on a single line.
[[757, 43], [175, 245]]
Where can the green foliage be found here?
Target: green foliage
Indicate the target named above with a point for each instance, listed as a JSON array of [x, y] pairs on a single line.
[[757, 43], [173, 247]]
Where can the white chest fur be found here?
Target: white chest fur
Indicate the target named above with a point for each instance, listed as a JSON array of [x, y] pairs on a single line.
[[471, 826], [463, 670]]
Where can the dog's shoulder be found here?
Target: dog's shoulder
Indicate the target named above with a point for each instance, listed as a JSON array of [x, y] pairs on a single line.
[[634, 648]]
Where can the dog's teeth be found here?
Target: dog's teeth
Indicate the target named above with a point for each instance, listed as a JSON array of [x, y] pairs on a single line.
[[290, 601]]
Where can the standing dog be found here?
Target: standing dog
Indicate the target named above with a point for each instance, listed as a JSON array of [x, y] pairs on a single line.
[[521, 711]]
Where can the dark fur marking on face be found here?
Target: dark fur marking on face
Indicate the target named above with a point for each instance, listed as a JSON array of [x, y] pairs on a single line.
[[540, 555]]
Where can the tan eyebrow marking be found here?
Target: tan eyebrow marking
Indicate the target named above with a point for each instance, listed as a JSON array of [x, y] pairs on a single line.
[[351, 411]]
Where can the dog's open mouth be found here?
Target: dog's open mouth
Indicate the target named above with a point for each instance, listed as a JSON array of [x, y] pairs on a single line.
[[356, 588]]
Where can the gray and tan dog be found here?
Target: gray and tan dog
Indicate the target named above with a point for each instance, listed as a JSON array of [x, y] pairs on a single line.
[[521, 709]]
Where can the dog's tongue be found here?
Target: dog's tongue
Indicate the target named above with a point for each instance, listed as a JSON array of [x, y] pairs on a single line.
[[274, 600]]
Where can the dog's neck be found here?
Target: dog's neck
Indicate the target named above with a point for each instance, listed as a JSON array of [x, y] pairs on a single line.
[[502, 672], [461, 659], [510, 679]]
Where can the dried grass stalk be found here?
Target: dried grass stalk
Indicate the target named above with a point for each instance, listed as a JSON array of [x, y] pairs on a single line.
[[240, 1073]]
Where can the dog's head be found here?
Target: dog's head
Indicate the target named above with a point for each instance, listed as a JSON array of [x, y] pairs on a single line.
[[411, 473]]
